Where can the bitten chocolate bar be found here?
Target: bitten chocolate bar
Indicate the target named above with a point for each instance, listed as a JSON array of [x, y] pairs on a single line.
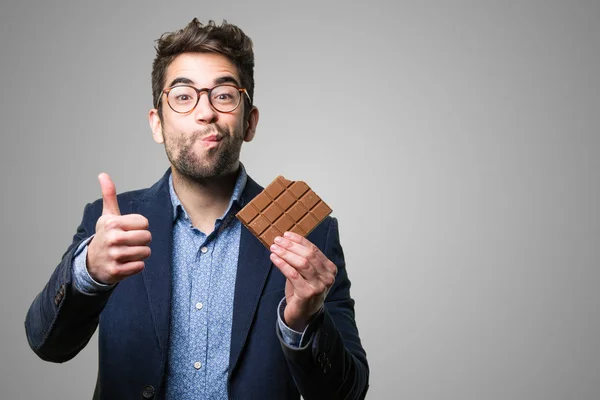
[[283, 206]]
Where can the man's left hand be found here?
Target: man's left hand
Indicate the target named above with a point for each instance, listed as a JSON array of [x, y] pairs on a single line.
[[309, 276]]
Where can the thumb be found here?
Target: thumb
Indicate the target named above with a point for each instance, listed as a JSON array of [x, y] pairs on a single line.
[[109, 195]]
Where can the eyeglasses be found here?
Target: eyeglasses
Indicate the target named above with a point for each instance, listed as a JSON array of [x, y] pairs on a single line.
[[223, 98]]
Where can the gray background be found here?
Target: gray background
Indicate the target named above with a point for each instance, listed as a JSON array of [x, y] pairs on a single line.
[[457, 143]]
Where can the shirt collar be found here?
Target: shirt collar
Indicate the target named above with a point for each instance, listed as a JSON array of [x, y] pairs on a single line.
[[236, 196]]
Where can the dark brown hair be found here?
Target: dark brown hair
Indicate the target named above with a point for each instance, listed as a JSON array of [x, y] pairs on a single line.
[[226, 39]]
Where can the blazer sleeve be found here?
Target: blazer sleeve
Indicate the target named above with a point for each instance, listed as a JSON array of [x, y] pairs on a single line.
[[61, 320], [331, 362]]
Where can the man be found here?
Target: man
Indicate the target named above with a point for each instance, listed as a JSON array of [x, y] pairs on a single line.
[[186, 299]]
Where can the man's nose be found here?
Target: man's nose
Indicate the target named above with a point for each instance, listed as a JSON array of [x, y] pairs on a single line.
[[204, 112]]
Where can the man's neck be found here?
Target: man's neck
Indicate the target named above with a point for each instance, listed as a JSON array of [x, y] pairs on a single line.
[[207, 200]]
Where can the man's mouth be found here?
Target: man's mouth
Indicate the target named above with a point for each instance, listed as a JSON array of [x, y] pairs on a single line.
[[211, 141], [212, 138]]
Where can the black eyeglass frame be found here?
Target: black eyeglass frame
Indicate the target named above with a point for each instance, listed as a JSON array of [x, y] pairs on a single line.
[[208, 92]]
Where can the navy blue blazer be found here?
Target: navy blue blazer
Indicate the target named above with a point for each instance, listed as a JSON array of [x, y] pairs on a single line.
[[133, 318]]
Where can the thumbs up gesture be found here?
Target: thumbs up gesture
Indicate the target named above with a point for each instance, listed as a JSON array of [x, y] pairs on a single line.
[[120, 245]]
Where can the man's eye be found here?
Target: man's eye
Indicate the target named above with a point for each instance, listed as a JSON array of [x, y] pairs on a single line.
[[183, 98], [223, 97]]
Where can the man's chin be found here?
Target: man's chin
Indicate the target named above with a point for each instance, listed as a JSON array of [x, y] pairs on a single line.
[[206, 173]]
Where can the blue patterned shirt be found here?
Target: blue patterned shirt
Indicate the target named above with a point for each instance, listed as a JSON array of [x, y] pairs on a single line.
[[204, 270]]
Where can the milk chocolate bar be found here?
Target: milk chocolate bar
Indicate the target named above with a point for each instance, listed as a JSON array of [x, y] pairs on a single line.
[[283, 206]]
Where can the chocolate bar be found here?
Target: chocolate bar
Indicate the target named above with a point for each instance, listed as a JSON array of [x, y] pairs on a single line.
[[282, 206]]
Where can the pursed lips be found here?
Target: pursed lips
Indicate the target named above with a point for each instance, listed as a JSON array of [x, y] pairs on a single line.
[[211, 140]]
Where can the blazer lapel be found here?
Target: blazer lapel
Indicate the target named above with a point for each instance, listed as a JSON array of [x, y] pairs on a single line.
[[253, 269], [156, 206]]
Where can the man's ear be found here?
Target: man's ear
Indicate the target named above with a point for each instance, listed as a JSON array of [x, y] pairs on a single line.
[[156, 126], [251, 125]]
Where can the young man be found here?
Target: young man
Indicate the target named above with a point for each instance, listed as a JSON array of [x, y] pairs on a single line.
[[186, 299]]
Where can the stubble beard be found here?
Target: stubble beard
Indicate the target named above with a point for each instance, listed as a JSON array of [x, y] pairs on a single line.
[[216, 162]]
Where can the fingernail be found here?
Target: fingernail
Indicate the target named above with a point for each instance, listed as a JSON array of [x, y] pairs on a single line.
[[287, 234], [278, 240], [274, 247]]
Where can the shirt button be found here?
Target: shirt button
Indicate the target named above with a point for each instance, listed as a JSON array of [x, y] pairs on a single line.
[[204, 249], [197, 364], [199, 306]]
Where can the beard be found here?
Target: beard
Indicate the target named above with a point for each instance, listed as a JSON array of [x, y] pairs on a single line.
[[216, 162]]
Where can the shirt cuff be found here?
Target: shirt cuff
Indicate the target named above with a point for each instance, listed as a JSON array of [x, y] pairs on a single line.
[[291, 337], [81, 277]]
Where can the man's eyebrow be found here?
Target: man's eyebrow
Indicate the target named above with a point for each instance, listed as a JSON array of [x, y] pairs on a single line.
[[218, 81], [226, 79], [181, 79]]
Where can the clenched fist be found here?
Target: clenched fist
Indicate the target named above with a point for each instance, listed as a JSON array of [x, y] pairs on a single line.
[[120, 245]]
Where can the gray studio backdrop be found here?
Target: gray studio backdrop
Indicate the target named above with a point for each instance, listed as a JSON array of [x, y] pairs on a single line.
[[457, 143]]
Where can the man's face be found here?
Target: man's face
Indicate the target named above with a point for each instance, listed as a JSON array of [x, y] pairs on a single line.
[[203, 143]]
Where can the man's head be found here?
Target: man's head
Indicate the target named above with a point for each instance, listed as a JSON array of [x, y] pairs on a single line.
[[203, 142], [226, 39]]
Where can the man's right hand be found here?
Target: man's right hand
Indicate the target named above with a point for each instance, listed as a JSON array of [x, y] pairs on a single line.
[[120, 245]]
